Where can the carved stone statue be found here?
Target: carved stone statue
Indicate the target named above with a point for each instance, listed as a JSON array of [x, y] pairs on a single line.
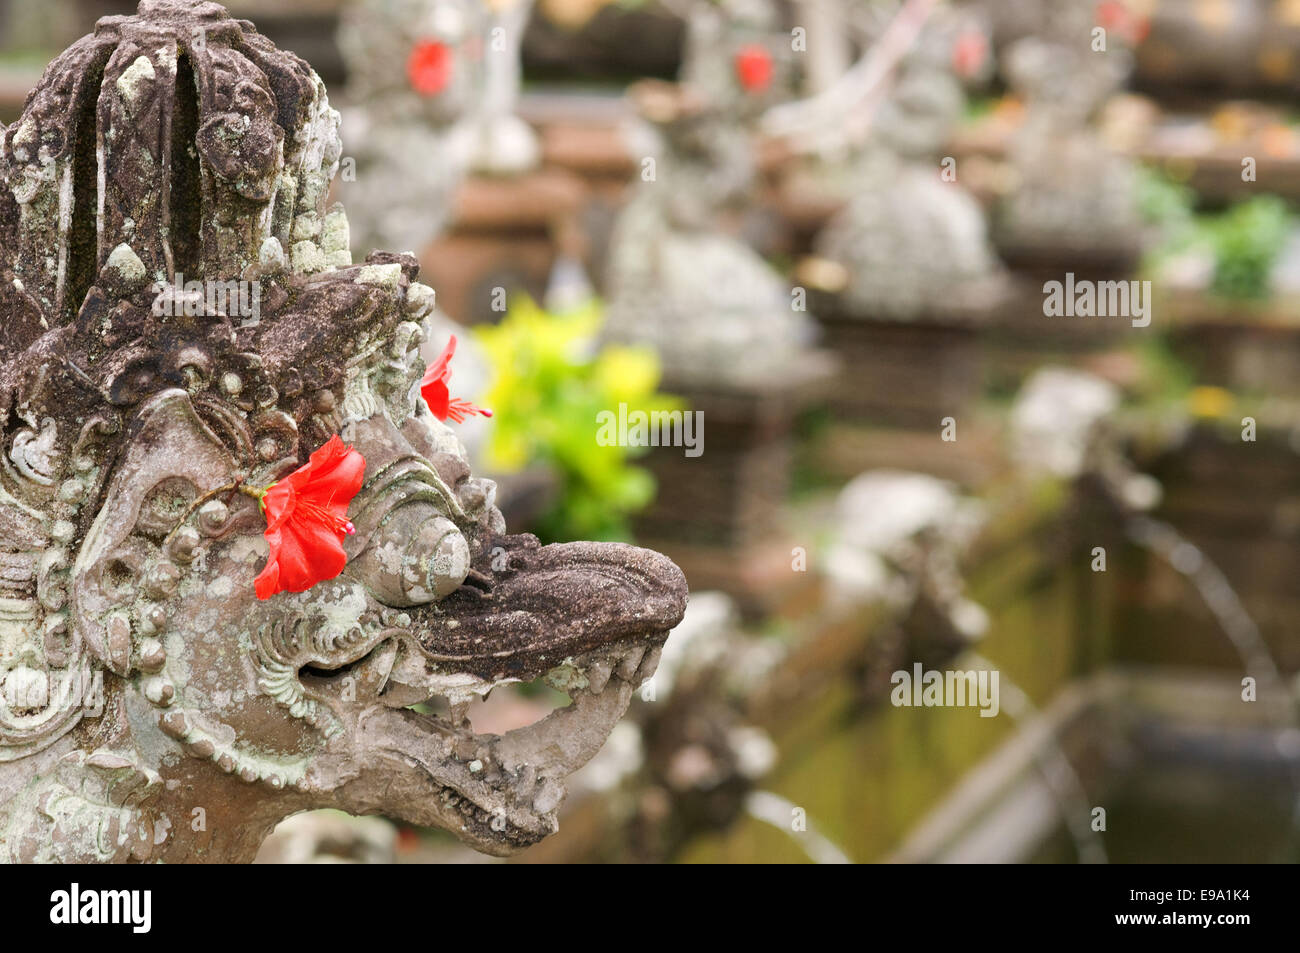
[[415, 81], [714, 309], [902, 539], [911, 241], [734, 54], [1072, 192], [1062, 426], [151, 708]]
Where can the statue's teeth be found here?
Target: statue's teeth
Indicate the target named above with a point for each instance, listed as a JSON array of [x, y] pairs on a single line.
[[549, 797], [527, 780], [598, 675], [650, 662], [627, 665]]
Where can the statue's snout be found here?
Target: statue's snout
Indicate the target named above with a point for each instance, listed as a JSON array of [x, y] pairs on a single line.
[[415, 556]]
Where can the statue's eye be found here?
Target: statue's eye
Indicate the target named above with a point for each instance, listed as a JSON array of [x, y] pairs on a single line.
[[165, 505]]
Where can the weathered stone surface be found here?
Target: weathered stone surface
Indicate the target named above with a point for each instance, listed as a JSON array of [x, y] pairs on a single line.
[[151, 708]]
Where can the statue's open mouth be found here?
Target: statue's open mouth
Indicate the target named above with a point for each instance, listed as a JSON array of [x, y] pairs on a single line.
[[590, 618]]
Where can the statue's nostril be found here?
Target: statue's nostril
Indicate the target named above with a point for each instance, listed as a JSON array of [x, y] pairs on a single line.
[[436, 562], [472, 496], [416, 557]]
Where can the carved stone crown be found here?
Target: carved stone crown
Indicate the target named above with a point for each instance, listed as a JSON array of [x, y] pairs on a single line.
[[168, 147], [184, 135]]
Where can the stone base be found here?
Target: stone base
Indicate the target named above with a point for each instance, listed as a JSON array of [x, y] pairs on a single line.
[[731, 494], [719, 513], [727, 496], [844, 450], [1246, 346], [903, 373], [1022, 338], [912, 373], [1047, 261]]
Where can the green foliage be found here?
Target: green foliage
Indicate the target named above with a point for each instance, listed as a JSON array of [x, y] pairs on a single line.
[[1169, 208], [1247, 240], [1164, 202], [1165, 376], [978, 107], [550, 383]]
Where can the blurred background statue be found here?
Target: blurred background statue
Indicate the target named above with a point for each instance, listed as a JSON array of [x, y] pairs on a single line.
[[1071, 190], [677, 279], [415, 71], [912, 242]]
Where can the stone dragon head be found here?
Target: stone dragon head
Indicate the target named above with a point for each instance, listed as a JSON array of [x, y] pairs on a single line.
[[182, 314]]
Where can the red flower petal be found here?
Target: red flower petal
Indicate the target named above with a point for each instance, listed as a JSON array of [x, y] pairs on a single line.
[[306, 517], [1116, 15], [331, 477], [428, 68], [434, 390], [753, 64], [968, 54]]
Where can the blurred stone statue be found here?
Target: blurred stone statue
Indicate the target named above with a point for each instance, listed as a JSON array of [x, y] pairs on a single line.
[[710, 304], [901, 539], [434, 86], [1071, 191], [415, 73], [912, 241]]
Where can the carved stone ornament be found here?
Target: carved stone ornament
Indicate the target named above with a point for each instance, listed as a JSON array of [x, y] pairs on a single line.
[[151, 708]]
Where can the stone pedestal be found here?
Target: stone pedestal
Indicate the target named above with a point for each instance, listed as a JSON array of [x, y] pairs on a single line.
[[721, 513], [975, 457], [1244, 346], [902, 373], [898, 380], [1022, 338]]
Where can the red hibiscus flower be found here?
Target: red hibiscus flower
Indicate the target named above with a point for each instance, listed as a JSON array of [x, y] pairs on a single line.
[[307, 518], [968, 54], [1115, 16], [433, 388], [754, 68], [428, 68]]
